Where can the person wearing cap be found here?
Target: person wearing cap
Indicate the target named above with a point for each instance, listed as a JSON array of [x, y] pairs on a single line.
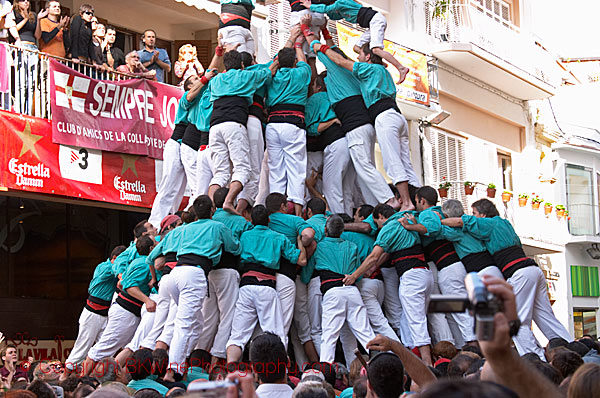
[[261, 251]]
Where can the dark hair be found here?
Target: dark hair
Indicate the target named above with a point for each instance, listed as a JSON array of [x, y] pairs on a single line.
[[188, 216], [274, 201], [428, 193], [442, 368], [30, 372], [219, 196], [531, 357], [144, 245], [445, 349], [360, 387], [320, 80], [232, 60], [578, 347], [85, 7], [286, 57], [141, 365], [117, 251], [200, 358], [472, 348], [556, 342], [203, 207], [384, 210], [317, 205], [589, 343], [260, 215], [175, 392], [148, 30], [566, 362], [111, 27], [345, 217], [187, 85], [327, 369], [140, 229], [385, 375], [83, 390], [247, 59], [365, 210], [548, 370], [585, 381], [486, 207], [41, 389], [160, 359], [147, 393], [465, 388], [70, 383], [216, 371], [459, 365], [437, 372], [375, 59], [268, 357]]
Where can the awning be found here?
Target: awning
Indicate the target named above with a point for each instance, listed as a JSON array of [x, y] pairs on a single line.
[[207, 5]]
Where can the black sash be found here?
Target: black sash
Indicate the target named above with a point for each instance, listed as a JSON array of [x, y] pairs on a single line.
[[97, 305], [229, 109], [512, 259], [257, 108], [365, 14], [330, 279], [381, 106], [406, 259], [130, 303], [254, 281], [194, 138], [235, 15], [228, 260], [287, 268], [287, 113], [178, 131], [352, 112], [441, 252], [475, 262], [195, 260]]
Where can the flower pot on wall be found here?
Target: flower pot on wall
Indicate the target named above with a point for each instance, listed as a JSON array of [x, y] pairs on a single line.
[[443, 192], [491, 192], [506, 196], [535, 205], [469, 189], [522, 202]]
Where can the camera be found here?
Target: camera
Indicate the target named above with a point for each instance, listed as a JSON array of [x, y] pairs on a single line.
[[482, 304]]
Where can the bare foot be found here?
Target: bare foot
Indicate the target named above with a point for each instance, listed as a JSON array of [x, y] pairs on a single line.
[[228, 207], [408, 207], [169, 376], [403, 73], [395, 203]]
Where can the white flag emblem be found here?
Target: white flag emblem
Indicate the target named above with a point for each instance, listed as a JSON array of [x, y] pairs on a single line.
[[71, 91]]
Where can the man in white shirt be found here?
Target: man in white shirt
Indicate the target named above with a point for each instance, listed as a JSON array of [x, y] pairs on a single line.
[[269, 360]]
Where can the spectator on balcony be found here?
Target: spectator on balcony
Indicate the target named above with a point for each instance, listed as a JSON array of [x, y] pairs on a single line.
[[82, 45], [112, 57], [99, 42], [133, 66], [153, 58], [50, 31]]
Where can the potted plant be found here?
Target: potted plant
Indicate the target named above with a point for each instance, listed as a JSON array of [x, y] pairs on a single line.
[[506, 196], [469, 187], [491, 190], [444, 187], [535, 202], [547, 208], [567, 216], [523, 199], [560, 211]]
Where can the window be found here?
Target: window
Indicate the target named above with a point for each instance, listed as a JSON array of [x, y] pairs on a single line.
[[448, 161], [505, 167], [584, 322], [580, 200], [501, 11]]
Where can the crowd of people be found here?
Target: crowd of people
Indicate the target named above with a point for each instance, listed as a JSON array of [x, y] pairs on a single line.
[[294, 256]]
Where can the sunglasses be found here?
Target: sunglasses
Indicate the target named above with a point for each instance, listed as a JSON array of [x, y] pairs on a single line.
[[89, 12]]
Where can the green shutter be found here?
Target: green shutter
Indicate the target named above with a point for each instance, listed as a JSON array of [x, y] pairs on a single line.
[[584, 281]]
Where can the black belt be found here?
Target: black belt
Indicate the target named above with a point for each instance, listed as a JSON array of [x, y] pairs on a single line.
[[130, 303], [330, 279], [256, 280], [406, 259], [441, 252], [97, 305], [381, 106], [475, 262], [512, 259], [288, 269], [195, 260]]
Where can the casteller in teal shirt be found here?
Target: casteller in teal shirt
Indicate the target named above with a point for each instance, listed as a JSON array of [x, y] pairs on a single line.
[[137, 274], [376, 83], [289, 85], [265, 247], [104, 282], [206, 238]]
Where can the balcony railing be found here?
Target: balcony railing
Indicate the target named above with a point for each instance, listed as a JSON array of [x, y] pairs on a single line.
[[485, 24], [29, 83], [584, 219]]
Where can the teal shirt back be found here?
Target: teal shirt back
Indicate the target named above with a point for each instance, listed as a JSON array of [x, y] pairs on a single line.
[[464, 243], [207, 238], [316, 222], [318, 110], [104, 282], [393, 237], [341, 9], [122, 261], [264, 246], [183, 107], [148, 383], [432, 222], [340, 82], [137, 274], [496, 232], [376, 83], [237, 224], [262, 90], [289, 225], [337, 255], [168, 244], [364, 243], [201, 110], [289, 85], [238, 83]]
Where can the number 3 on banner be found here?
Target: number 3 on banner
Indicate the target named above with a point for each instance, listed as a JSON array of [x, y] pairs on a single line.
[[84, 158]]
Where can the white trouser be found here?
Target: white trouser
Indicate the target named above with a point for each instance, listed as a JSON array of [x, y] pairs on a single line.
[[263, 181], [317, 21], [376, 32], [286, 145], [299, 354], [451, 281], [301, 317], [229, 146], [391, 300], [119, 330], [338, 174], [188, 291], [492, 271], [307, 311], [188, 159], [286, 291], [315, 299], [163, 301], [144, 327], [531, 294], [173, 178], [348, 342], [91, 326], [314, 162], [256, 150], [372, 293], [256, 304], [235, 35], [361, 143], [415, 287], [166, 336], [204, 171], [218, 310], [392, 134], [438, 323], [343, 304]]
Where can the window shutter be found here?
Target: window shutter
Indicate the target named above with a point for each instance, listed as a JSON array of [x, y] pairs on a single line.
[[448, 160], [279, 26]]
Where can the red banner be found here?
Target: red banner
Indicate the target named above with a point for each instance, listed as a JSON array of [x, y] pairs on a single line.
[[32, 162], [131, 116]]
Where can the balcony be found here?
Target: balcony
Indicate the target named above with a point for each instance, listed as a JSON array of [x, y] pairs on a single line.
[[478, 38]]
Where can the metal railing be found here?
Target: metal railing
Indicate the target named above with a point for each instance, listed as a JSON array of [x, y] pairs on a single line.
[[29, 83], [475, 22], [583, 218]]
